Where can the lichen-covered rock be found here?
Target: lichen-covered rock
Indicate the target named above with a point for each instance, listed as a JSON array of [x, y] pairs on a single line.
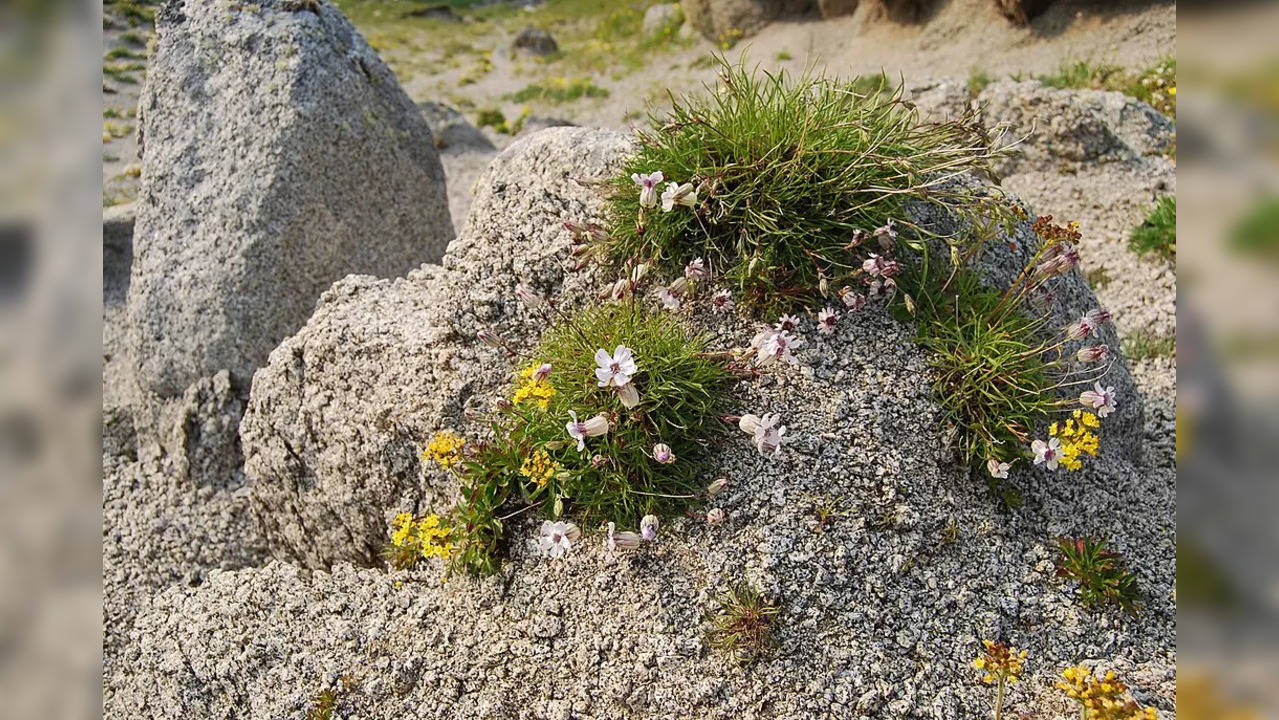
[[1071, 127], [337, 420], [731, 20], [278, 155]]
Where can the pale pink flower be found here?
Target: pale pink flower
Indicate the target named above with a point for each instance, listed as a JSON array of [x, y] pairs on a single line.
[[668, 299], [1081, 329], [717, 487], [872, 265], [766, 432], [1100, 399], [722, 301], [621, 539], [827, 321], [579, 431], [1098, 316], [715, 516], [557, 538], [648, 187], [777, 345], [696, 270], [628, 395], [854, 301], [662, 454], [648, 528], [1047, 453], [887, 235], [542, 372], [616, 369], [858, 237], [997, 469], [787, 323], [1093, 353], [529, 297], [882, 290]]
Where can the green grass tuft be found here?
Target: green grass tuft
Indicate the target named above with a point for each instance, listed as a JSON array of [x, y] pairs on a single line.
[[1156, 85], [558, 90], [1158, 232], [785, 173], [1146, 345], [1082, 74], [742, 625], [1099, 571], [978, 80], [680, 387]]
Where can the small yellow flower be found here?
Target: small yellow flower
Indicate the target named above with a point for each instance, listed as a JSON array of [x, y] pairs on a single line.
[[445, 448], [1001, 663], [539, 468]]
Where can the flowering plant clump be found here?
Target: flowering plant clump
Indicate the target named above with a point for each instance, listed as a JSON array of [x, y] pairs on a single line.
[[1076, 437], [607, 423], [1101, 698], [418, 539], [786, 186], [742, 625], [445, 448], [1000, 666], [1099, 571]]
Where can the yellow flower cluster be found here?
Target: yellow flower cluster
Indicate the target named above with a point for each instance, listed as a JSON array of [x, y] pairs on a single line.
[[445, 448], [539, 468], [1102, 698], [1077, 438], [532, 388], [428, 537], [999, 662]]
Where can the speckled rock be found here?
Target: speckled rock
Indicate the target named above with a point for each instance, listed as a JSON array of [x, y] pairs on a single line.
[[1072, 127], [336, 421], [278, 155], [728, 20]]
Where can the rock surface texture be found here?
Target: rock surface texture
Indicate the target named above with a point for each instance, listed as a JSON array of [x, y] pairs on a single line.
[[278, 155], [730, 20], [883, 606]]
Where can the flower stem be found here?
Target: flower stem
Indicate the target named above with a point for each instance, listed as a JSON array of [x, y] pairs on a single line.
[[999, 700]]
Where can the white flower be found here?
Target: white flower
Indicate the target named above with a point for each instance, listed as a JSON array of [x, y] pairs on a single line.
[[628, 395], [872, 265], [615, 369], [777, 345], [882, 290], [529, 297], [1098, 316], [852, 300], [717, 487], [696, 270], [887, 235], [722, 301], [677, 194], [579, 431], [557, 538], [714, 516], [648, 187], [1047, 453], [768, 435], [621, 539], [648, 528], [1080, 330], [542, 372], [662, 453], [997, 469], [1100, 399], [787, 323], [827, 320], [669, 301]]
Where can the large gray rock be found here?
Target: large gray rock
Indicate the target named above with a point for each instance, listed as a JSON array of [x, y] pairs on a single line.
[[726, 21], [1070, 128], [278, 155], [662, 19], [338, 419]]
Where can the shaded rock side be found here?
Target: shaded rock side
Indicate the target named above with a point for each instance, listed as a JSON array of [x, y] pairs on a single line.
[[278, 155], [730, 20]]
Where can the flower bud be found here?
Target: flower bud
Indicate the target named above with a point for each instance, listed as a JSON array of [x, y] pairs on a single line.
[[530, 298], [1094, 353], [717, 487], [488, 337], [621, 539], [648, 528], [628, 395], [662, 454], [714, 516]]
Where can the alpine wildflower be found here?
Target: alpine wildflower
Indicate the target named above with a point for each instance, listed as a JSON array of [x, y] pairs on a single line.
[[766, 431], [776, 345], [648, 528], [1093, 353], [787, 323], [539, 468], [557, 538], [413, 540], [1100, 399], [1098, 316], [887, 235], [715, 516], [717, 487], [535, 385], [628, 394], [1001, 666], [579, 431], [662, 453], [1047, 453], [722, 301], [621, 539], [882, 289], [696, 270], [1081, 329], [827, 321], [445, 448], [617, 369], [997, 469], [648, 187], [1076, 437], [529, 297], [854, 301], [668, 299], [1101, 698], [678, 194]]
